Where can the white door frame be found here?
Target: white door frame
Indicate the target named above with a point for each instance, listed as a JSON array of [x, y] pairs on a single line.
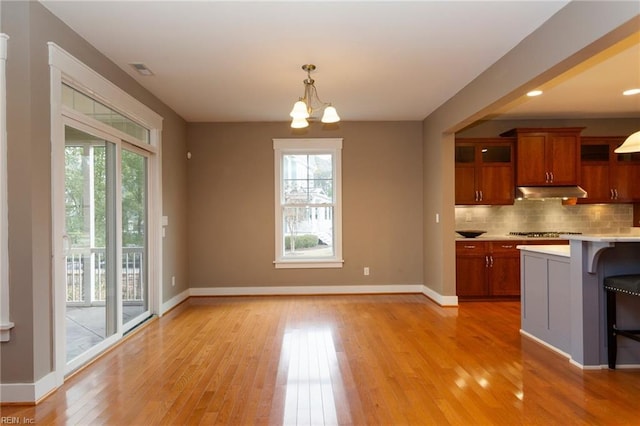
[[66, 68]]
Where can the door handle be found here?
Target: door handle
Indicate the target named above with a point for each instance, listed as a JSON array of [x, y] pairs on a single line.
[[66, 245]]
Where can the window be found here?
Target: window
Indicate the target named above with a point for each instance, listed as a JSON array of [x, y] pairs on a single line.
[[308, 203]]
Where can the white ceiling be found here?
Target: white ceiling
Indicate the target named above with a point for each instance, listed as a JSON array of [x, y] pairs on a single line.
[[241, 61]]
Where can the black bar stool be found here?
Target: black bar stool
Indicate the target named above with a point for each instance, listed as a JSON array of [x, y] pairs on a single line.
[[627, 284]]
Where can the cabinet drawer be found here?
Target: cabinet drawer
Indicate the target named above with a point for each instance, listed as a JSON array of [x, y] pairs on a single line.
[[471, 248], [505, 247]]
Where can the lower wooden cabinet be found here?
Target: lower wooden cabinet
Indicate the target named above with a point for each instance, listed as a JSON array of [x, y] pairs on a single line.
[[490, 269]]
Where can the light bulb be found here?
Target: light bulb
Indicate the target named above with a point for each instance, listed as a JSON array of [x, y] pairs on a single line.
[[299, 123], [299, 110], [330, 115]]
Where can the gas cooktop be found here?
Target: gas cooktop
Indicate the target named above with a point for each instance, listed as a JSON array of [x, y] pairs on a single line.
[[542, 234]]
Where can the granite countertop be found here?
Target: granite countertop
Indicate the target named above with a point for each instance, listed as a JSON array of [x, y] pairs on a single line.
[[605, 238], [556, 250], [502, 237]]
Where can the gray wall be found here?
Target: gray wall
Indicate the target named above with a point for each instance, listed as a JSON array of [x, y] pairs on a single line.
[[231, 205], [574, 34], [28, 356]]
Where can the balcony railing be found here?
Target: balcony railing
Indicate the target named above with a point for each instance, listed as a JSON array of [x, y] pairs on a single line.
[[86, 276]]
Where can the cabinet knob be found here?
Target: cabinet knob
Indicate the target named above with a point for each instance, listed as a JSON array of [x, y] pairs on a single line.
[[469, 247], [509, 246]]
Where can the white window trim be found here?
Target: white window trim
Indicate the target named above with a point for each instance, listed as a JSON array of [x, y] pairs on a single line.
[[5, 324], [66, 68], [309, 146]]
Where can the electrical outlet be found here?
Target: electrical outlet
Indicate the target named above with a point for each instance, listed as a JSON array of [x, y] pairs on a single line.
[[468, 217], [173, 281], [366, 270]]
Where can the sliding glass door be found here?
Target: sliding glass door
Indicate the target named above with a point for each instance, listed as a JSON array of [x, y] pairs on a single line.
[[90, 241], [135, 294], [105, 240]]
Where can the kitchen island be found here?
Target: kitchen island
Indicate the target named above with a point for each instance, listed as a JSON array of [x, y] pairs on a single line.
[[563, 300]]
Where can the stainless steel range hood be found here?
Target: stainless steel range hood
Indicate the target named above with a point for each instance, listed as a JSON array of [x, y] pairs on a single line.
[[539, 192]]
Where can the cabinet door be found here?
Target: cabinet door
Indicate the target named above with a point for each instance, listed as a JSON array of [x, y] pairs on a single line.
[[627, 185], [504, 268], [530, 166], [466, 192], [595, 179], [504, 275], [471, 268], [562, 159], [471, 272], [497, 184]]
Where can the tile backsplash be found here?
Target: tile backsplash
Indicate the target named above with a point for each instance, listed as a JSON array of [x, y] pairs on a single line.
[[547, 215]]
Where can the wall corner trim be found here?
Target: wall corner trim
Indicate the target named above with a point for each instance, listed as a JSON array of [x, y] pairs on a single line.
[[439, 298], [174, 301], [28, 393]]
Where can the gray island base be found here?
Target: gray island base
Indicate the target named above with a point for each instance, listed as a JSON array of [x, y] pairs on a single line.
[[563, 298]]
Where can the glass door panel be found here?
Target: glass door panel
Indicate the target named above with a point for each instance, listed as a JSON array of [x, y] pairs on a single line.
[[90, 241], [135, 287]]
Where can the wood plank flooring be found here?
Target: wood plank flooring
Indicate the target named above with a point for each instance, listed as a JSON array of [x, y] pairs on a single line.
[[360, 360]]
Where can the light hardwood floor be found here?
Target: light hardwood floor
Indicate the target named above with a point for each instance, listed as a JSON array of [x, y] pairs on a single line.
[[362, 360]]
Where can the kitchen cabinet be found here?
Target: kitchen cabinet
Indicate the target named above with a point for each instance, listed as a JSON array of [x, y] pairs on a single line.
[[547, 156], [484, 172], [606, 176], [490, 269]]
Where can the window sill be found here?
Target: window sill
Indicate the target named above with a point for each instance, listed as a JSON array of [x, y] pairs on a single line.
[[5, 331], [308, 264]]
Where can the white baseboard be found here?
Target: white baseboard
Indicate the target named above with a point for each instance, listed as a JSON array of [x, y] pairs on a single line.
[[309, 290], [175, 301], [304, 290], [438, 298], [28, 393]]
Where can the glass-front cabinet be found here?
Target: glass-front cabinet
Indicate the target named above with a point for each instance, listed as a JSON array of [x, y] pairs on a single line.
[[484, 171], [606, 176]]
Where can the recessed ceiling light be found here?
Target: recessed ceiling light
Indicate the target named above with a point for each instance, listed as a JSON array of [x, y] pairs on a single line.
[[631, 92], [534, 93]]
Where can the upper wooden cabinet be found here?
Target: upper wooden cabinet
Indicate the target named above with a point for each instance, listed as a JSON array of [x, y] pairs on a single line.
[[547, 156], [484, 171], [606, 176]]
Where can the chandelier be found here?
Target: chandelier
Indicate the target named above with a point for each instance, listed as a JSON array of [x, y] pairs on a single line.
[[310, 103]]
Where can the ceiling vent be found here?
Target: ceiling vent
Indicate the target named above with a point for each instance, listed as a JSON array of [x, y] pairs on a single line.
[[142, 69]]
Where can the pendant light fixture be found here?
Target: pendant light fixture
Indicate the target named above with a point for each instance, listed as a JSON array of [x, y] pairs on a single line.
[[310, 103], [631, 144]]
